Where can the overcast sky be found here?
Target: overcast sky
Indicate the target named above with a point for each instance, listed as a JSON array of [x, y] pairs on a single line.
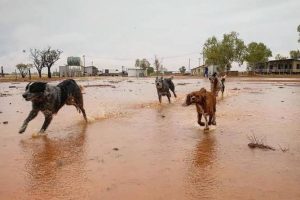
[[114, 33]]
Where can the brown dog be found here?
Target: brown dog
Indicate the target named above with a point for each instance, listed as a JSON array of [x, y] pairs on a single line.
[[205, 104]]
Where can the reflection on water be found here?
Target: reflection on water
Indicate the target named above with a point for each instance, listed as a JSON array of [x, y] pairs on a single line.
[[205, 153], [56, 167], [201, 176]]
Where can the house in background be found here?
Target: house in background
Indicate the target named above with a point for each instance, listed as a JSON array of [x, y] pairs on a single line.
[[199, 71], [71, 71], [111, 72], [136, 72], [91, 71], [73, 68], [284, 66]]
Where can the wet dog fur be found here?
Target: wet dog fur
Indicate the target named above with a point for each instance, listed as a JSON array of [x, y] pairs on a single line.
[[163, 86], [205, 104], [50, 99]]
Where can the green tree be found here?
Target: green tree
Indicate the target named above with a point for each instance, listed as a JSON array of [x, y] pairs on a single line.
[[256, 53], [23, 69], [150, 70], [224, 53], [280, 57], [295, 54], [144, 63], [182, 69]]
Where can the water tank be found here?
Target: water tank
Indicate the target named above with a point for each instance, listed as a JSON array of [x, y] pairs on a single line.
[[74, 61]]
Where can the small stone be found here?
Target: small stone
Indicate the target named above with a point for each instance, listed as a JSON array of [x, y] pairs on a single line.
[[116, 149], [5, 122], [163, 116]]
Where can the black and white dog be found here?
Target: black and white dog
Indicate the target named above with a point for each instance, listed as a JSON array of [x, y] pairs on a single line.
[[217, 84], [163, 87], [49, 99]]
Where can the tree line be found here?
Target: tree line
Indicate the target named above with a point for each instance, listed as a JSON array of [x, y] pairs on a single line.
[[41, 58], [232, 48]]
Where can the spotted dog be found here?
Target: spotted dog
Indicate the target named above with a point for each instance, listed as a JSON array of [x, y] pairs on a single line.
[[50, 99], [205, 104], [217, 84], [163, 86]]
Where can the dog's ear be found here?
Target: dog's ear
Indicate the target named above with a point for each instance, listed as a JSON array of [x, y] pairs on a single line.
[[27, 86], [202, 90], [188, 100], [37, 87]]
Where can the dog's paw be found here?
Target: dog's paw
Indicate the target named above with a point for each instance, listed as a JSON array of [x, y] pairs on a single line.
[[22, 129], [201, 123]]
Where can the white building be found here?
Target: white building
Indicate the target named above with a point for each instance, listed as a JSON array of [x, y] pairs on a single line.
[[71, 71], [134, 72], [90, 71], [112, 72]]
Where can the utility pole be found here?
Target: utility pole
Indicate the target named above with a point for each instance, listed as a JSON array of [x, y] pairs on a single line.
[[83, 60], [189, 65], [199, 61], [2, 74]]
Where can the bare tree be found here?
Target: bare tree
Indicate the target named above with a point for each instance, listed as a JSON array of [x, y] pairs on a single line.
[[36, 56], [23, 69], [49, 57], [44, 58]]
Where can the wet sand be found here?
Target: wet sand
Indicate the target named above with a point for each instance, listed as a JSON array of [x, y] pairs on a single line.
[[135, 148]]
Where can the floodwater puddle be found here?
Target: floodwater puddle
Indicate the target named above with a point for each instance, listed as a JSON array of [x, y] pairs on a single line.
[[136, 148]]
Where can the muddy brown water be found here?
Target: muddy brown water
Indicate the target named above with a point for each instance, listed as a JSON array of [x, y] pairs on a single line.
[[135, 148]]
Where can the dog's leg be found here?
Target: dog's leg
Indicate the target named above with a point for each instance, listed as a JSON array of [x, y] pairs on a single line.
[[31, 116], [206, 124], [173, 90], [214, 119], [83, 112], [199, 119], [210, 118], [159, 98], [169, 97], [48, 119], [205, 117]]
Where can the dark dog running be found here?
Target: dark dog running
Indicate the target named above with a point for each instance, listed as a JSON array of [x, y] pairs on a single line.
[[163, 87], [49, 99], [217, 84], [205, 104]]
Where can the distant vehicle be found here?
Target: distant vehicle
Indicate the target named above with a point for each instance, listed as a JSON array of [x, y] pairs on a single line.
[[112, 72]]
